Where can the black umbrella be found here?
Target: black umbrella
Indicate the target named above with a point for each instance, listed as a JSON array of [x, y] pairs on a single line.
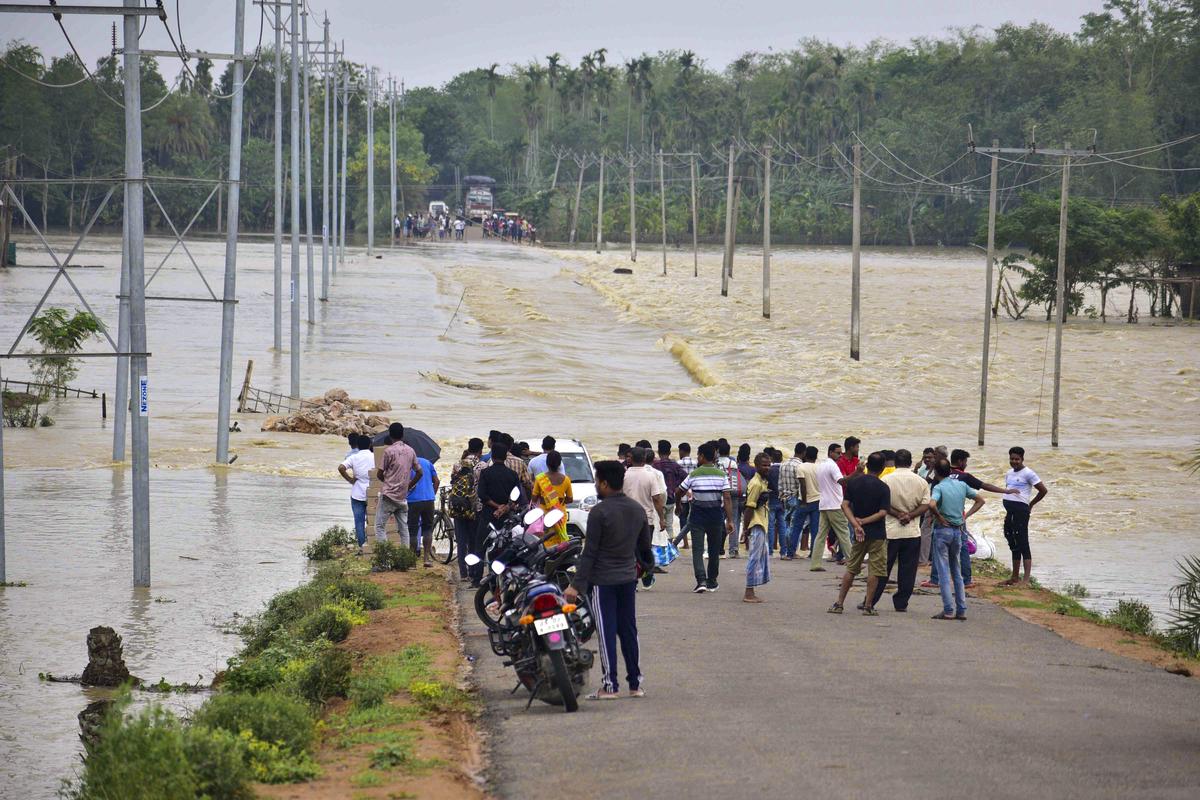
[[418, 440]]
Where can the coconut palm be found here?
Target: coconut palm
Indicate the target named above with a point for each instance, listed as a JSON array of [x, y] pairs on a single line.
[[631, 85], [493, 82], [553, 73]]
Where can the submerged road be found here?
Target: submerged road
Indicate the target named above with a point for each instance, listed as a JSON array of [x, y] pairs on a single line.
[[782, 700]]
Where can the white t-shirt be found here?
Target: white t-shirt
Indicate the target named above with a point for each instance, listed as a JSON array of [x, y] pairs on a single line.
[[828, 476], [1024, 480], [360, 463]]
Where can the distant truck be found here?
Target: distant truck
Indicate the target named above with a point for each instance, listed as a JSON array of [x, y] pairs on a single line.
[[438, 209], [479, 201]]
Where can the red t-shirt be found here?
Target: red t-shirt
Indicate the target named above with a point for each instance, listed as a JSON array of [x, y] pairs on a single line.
[[847, 464]]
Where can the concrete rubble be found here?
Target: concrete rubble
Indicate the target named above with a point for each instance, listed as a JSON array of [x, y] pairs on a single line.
[[335, 412]]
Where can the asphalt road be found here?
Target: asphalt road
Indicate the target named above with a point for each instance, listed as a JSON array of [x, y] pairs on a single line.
[[784, 700]]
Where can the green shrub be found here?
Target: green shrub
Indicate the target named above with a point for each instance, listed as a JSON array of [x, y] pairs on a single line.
[[272, 763], [1076, 590], [1184, 630], [1133, 616], [383, 676], [269, 716], [437, 697], [368, 595], [326, 676], [387, 556], [392, 756], [328, 545], [283, 612], [331, 621], [136, 757], [218, 759]]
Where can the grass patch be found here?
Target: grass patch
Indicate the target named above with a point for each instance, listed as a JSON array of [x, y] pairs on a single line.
[[1132, 616], [1076, 590], [386, 557], [422, 600], [439, 698], [1021, 603], [989, 568], [383, 676], [367, 778]]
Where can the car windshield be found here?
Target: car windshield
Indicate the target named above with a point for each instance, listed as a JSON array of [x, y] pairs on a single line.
[[577, 467]]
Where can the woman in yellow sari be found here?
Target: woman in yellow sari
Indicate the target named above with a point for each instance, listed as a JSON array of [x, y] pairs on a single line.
[[552, 489]]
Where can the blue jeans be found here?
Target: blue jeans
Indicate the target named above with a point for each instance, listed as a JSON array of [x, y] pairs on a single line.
[[776, 531], [947, 546], [964, 560], [359, 507], [801, 514]]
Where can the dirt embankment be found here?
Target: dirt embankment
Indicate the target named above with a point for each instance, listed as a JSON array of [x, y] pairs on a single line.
[[431, 749]]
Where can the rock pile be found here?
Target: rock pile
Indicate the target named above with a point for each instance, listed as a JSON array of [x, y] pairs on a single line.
[[334, 412]]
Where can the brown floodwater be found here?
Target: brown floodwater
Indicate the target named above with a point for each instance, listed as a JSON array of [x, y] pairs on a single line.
[[559, 344]]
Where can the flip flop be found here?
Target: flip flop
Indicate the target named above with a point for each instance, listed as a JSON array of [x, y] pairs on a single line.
[[941, 616], [603, 695], [836, 608]]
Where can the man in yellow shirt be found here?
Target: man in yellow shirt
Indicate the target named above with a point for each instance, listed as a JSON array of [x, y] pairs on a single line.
[[755, 520]]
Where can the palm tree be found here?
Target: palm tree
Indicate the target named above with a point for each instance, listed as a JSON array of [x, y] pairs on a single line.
[[553, 71], [493, 81], [631, 85], [533, 115], [645, 87], [587, 73]]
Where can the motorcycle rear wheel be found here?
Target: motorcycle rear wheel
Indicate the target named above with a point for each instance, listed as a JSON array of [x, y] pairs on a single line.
[[562, 681]]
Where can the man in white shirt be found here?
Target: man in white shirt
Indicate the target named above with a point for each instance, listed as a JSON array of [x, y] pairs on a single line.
[[829, 484], [910, 499], [356, 470], [538, 465], [647, 486], [1016, 511]]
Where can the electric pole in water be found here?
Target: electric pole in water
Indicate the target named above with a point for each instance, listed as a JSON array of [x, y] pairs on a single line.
[[370, 162], [855, 257], [294, 30], [325, 168], [308, 214], [727, 259], [278, 207], [767, 232]]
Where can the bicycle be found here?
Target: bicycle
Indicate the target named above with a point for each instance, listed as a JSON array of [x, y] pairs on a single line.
[[443, 529]]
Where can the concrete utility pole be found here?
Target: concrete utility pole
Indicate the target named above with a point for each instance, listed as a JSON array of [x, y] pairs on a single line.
[[855, 257], [278, 319], [121, 400], [308, 214], [727, 261], [294, 30], [334, 202], [1060, 309], [767, 232], [600, 209], [632, 213], [371, 162], [662, 205], [228, 307], [578, 194], [392, 156], [135, 226], [345, 136], [325, 171], [987, 291], [695, 224]]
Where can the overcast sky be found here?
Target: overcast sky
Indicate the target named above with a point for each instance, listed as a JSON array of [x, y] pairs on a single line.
[[428, 43]]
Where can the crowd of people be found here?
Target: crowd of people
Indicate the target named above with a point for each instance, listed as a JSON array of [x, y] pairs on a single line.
[[429, 226], [885, 511], [509, 229]]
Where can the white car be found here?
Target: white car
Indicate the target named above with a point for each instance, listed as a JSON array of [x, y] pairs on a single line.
[[577, 465]]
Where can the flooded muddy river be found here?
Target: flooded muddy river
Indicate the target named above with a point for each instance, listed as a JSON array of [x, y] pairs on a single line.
[[559, 344]]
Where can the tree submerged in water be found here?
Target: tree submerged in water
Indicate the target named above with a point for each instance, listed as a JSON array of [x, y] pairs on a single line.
[[57, 331]]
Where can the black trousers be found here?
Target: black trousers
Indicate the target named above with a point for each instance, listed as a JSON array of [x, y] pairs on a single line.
[[420, 520], [479, 534], [908, 553]]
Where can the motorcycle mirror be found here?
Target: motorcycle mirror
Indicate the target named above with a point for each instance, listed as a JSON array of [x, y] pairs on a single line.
[[498, 567], [471, 559], [533, 515], [515, 494], [553, 518], [517, 530]]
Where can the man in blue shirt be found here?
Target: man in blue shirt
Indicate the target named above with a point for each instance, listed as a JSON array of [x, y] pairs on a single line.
[[420, 510], [949, 497]]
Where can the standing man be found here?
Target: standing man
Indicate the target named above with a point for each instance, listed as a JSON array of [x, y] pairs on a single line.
[[958, 471], [494, 484], [687, 463], [758, 556], [810, 498], [737, 492], [356, 470], [1017, 506], [910, 499], [925, 472], [645, 485], [464, 502], [775, 529], [398, 474], [537, 465], [948, 499], [420, 510], [866, 506], [711, 515], [673, 475], [617, 539], [830, 481], [791, 497], [848, 461]]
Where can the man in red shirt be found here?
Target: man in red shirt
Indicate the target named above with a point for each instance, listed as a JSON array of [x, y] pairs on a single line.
[[848, 461]]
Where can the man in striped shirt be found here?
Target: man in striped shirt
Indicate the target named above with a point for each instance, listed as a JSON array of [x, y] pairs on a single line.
[[712, 516]]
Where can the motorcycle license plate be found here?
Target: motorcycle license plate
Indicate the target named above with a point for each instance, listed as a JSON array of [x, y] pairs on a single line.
[[556, 623]]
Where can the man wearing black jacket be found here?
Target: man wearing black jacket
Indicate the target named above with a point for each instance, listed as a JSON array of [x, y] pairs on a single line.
[[618, 537]]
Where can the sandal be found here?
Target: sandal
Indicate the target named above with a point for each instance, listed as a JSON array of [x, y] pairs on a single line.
[[601, 694], [942, 616], [836, 608], [870, 612]]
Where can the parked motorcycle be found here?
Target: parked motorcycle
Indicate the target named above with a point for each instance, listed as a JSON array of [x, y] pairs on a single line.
[[537, 629]]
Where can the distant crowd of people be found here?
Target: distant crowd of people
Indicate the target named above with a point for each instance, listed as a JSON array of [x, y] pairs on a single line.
[[428, 226], [510, 229]]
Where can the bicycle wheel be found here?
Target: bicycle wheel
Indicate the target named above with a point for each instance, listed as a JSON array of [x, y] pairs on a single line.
[[443, 537]]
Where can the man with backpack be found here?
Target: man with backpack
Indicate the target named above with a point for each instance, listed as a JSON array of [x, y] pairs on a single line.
[[464, 502]]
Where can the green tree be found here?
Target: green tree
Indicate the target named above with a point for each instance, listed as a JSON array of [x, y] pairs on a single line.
[[59, 332]]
